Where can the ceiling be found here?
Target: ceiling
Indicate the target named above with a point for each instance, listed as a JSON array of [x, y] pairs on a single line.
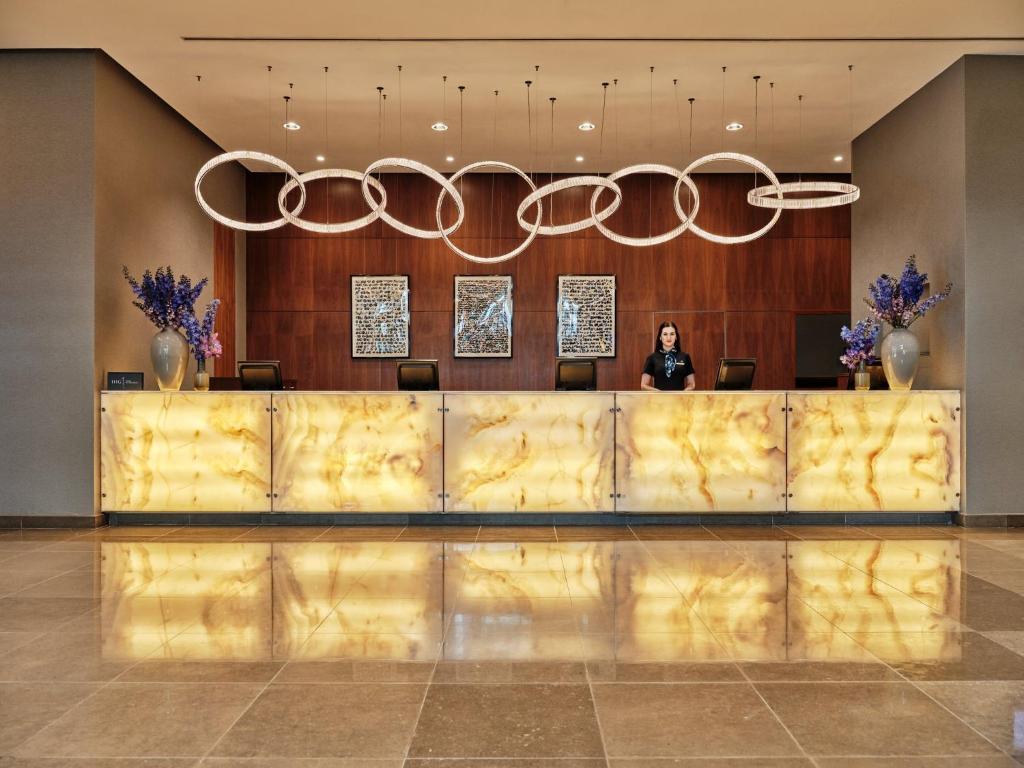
[[803, 47]]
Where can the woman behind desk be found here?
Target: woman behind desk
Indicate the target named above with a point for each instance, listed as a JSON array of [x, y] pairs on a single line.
[[668, 368]]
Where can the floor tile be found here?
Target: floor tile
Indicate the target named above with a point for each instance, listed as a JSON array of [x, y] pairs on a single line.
[[751, 533], [361, 533], [27, 614], [1012, 640], [510, 672], [174, 671], [594, 533], [507, 721], [672, 720], [14, 581], [723, 762], [439, 533], [73, 657], [819, 671], [992, 761], [347, 720], [869, 719], [144, 720], [25, 708], [667, 672], [517, 533], [995, 709], [83, 582], [356, 671], [99, 762], [535, 762], [672, 533], [961, 656]]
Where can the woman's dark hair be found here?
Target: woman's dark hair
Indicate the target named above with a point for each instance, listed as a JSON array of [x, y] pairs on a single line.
[[657, 338]]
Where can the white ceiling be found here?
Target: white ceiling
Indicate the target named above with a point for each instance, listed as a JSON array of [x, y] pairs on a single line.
[[804, 47]]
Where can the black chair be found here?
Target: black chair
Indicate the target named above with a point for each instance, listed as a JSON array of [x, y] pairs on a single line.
[[418, 375], [260, 374], [735, 373], [576, 374]]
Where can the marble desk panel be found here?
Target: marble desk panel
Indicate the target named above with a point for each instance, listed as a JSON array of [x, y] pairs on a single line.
[[874, 452], [185, 452], [357, 452], [529, 452], [701, 452]]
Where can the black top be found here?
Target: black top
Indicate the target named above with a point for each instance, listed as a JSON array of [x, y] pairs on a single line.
[[668, 380]]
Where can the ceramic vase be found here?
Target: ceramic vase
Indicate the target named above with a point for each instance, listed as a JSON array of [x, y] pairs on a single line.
[[201, 383], [900, 353], [169, 354]]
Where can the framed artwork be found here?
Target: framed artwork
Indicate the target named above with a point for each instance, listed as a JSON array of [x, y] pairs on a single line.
[[380, 316], [586, 316], [483, 316]]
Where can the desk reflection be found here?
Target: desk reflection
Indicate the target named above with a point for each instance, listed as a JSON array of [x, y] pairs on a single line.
[[625, 601]]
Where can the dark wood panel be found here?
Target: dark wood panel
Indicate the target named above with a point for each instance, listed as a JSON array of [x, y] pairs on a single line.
[[769, 337], [744, 295], [224, 289]]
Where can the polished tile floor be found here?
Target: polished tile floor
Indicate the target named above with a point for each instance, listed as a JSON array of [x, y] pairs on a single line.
[[524, 647]]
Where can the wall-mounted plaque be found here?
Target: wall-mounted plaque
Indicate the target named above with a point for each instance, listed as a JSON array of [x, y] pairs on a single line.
[[586, 316], [483, 316], [380, 316], [124, 380]]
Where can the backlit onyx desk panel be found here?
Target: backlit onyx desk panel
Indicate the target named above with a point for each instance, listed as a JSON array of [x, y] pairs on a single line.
[[530, 452]]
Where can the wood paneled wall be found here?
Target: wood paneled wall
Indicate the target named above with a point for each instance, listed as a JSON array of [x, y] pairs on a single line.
[[736, 301], [224, 289]]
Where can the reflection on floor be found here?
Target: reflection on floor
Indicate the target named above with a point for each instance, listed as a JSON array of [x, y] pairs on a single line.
[[523, 646]]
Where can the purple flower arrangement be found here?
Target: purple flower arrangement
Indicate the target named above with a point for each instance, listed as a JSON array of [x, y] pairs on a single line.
[[860, 341], [164, 300], [898, 301], [201, 336]]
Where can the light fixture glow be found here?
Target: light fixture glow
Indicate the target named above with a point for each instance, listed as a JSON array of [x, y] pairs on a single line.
[[734, 127], [837, 159], [320, 158], [579, 158], [450, 159], [439, 126], [587, 126], [291, 125]]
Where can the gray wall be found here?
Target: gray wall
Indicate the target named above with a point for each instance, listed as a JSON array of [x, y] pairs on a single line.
[[98, 173], [46, 282], [994, 280], [940, 177]]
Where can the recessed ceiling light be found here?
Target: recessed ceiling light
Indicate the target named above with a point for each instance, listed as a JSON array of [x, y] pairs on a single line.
[[734, 127], [291, 125], [587, 126], [579, 158], [450, 159], [320, 158], [439, 126], [837, 159]]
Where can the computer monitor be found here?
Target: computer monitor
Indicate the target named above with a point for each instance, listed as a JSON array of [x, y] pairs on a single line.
[[419, 375], [260, 374], [735, 373], [577, 373]]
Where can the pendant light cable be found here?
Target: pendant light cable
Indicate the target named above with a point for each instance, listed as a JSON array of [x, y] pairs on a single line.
[[722, 126], [401, 142], [270, 121], [604, 104], [551, 163]]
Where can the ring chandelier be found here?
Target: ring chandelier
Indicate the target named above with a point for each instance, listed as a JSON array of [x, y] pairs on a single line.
[[771, 196]]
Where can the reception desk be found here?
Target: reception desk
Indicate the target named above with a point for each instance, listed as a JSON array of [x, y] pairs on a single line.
[[706, 453]]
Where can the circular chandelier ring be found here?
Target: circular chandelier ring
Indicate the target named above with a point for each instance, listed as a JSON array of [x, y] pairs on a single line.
[[557, 186], [323, 228], [844, 194], [642, 242], [736, 157], [243, 154], [426, 170], [504, 256]]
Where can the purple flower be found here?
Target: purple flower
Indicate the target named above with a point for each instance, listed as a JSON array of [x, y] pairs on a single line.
[[898, 302], [165, 301], [200, 335], [860, 341]]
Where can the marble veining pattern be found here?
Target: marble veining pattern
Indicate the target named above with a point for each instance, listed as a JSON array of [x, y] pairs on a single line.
[[696, 452], [884, 452], [529, 452], [357, 452], [172, 452]]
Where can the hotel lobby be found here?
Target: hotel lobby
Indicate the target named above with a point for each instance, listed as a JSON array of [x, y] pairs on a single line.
[[465, 386]]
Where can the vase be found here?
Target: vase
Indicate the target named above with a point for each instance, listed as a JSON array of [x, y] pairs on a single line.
[[900, 353], [202, 379], [169, 354], [862, 378]]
